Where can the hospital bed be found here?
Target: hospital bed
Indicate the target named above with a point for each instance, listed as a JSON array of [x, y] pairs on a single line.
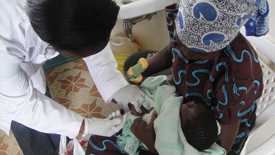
[[262, 139]]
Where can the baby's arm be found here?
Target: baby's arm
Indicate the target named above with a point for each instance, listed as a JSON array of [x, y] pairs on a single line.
[[150, 117], [145, 131], [146, 67]]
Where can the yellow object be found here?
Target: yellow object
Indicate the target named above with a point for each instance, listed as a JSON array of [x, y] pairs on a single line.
[[144, 63], [122, 48], [134, 73]]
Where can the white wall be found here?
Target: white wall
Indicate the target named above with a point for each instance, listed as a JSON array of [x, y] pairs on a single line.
[[272, 19]]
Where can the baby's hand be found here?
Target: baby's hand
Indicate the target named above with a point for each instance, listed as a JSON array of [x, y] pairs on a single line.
[[145, 133], [149, 118]]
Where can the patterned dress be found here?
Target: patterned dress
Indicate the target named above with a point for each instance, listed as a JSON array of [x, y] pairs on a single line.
[[99, 145], [229, 79]]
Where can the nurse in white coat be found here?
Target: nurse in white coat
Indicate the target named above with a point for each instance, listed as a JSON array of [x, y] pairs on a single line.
[[26, 41]]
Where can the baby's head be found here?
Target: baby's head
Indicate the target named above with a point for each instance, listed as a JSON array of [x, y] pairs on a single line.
[[198, 123]]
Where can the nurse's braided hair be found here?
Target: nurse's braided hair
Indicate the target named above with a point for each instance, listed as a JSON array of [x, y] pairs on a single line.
[[73, 25]]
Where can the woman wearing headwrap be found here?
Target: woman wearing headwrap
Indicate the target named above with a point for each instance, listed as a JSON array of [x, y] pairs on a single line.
[[211, 60]]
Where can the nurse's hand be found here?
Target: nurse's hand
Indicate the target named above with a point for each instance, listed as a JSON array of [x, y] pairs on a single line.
[[104, 127], [131, 97]]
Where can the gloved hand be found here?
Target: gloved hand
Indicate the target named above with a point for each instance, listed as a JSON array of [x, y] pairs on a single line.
[[132, 95], [104, 127]]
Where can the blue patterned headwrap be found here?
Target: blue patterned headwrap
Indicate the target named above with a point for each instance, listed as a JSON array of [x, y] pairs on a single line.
[[210, 25]]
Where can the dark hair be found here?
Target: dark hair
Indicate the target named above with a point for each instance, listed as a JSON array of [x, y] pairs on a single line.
[[200, 129], [73, 25]]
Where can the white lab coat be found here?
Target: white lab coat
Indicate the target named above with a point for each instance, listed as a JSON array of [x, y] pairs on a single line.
[[22, 82]]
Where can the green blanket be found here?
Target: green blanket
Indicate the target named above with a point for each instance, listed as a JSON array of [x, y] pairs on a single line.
[[170, 139]]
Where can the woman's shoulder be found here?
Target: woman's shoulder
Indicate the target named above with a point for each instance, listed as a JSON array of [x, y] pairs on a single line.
[[242, 60]]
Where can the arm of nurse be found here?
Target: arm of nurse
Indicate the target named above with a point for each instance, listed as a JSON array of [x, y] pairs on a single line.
[[22, 103]]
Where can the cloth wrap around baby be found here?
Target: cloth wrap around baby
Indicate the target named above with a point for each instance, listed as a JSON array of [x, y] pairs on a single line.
[[170, 138]]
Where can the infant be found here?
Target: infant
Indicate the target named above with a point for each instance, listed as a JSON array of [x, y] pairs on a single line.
[[175, 125]]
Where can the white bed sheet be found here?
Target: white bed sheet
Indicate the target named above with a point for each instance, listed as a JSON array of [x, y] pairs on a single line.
[[262, 139]]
